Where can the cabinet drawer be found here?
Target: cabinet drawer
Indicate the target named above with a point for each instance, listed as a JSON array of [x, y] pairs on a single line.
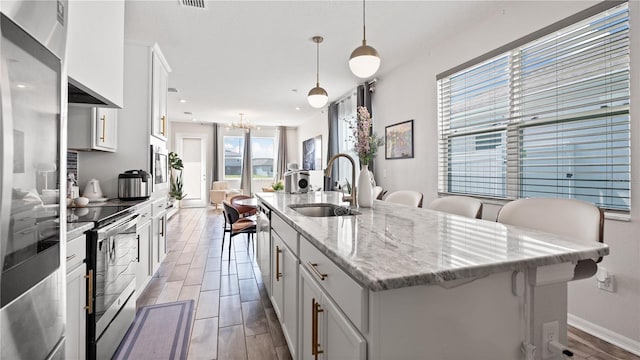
[[145, 214], [76, 252], [286, 232], [346, 292], [159, 207]]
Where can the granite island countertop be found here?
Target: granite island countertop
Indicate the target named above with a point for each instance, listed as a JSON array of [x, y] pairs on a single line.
[[393, 246]]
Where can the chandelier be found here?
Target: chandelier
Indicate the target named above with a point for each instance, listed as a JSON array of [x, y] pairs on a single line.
[[244, 125]]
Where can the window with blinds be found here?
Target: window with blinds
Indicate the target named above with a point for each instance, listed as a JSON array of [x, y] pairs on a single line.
[[547, 117]]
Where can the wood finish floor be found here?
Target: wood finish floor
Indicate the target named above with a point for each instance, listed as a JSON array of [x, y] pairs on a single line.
[[234, 318]]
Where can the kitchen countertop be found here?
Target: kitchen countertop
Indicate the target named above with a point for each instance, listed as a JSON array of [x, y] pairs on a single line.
[[393, 246], [135, 204], [77, 229]]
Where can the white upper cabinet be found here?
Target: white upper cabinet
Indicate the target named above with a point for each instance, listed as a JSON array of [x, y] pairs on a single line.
[[92, 128], [159, 88], [95, 48]]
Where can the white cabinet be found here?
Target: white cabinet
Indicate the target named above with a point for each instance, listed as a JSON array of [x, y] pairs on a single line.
[[95, 48], [134, 132], [326, 332], [144, 270], [264, 248], [285, 290], [159, 88], [159, 236], [92, 128], [76, 334]]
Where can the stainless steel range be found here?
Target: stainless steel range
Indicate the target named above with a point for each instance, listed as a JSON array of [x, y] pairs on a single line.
[[112, 257]]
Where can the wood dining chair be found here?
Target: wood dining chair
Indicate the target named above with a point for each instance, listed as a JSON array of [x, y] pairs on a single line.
[[234, 225]]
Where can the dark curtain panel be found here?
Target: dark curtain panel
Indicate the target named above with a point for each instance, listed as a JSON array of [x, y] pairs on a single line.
[[281, 162], [364, 99], [332, 143], [215, 171], [245, 175]]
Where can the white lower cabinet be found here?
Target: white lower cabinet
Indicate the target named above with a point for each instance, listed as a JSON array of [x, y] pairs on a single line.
[[159, 234], [76, 330], [144, 273], [326, 332], [285, 291]]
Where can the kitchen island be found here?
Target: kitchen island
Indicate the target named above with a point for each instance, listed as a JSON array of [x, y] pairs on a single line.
[[395, 282]]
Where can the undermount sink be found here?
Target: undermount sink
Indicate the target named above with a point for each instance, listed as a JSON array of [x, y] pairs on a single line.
[[323, 210]]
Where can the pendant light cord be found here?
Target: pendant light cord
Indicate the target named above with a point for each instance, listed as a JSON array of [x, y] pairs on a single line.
[[317, 63], [364, 24]]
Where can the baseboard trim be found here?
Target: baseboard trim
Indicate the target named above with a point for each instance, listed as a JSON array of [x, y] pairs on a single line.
[[614, 338]]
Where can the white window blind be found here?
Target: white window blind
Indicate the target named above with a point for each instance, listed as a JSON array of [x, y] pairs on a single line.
[[547, 118]]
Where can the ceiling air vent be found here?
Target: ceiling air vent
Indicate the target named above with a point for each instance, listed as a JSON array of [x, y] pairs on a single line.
[[199, 4], [172, 89]]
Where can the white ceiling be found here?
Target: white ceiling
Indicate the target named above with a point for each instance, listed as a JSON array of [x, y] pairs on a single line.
[[249, 56]]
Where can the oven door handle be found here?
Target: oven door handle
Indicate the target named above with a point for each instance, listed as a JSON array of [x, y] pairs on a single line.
[[118, 227]]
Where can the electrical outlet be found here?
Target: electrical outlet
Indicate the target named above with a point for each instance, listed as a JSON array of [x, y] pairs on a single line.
[[550, 332], [608, 284], [604, 280]]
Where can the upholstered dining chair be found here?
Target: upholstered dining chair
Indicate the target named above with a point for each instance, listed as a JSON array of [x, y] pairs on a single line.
[[234, 225], [221, 191], [405, 197], [379, 192], [577, 219], [458, 205]]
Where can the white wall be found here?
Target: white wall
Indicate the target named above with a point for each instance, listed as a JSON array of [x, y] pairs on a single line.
[[409, 92], [318, 125]]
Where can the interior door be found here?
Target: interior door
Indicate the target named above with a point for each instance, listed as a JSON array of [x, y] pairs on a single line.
[[192, 151]]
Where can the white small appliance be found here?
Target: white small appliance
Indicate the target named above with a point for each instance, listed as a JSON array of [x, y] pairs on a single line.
[[296, 182]]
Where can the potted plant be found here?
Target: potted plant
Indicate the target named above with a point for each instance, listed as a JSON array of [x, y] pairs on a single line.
[[176, 166]]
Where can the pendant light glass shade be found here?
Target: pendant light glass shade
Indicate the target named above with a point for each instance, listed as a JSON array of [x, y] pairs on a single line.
[[364, 60], [317, 96]]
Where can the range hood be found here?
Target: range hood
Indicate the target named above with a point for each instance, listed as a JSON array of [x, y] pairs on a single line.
[[79, 94]]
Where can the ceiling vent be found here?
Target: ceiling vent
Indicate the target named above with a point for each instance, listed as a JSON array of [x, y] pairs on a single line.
[[198, 4], [173, 90]]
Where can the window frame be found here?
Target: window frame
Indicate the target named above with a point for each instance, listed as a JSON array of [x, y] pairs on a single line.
[[513, 181]]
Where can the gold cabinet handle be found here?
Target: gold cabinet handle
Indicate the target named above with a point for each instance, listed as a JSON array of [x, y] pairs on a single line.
[[315, 343], [104, 128], [314, 268], [164, 124], [278, 273], [89, 306]]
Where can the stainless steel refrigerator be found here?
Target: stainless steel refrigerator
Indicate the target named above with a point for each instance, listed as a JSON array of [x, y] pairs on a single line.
[[32, 93]]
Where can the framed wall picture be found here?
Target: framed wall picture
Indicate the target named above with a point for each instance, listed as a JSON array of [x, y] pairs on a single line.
[[309, 154], [318, 152], [312, 153], [398, 140]]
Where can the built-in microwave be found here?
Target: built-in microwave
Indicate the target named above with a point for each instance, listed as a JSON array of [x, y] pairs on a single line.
[[159, 168]]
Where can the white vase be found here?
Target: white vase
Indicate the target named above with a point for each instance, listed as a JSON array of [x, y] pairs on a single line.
[[365, 189]]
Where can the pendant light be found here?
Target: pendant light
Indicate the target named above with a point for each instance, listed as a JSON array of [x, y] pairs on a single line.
[[364, 60], [317, 96]]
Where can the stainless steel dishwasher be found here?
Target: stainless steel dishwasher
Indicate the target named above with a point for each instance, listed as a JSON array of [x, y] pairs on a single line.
[[263, 243]]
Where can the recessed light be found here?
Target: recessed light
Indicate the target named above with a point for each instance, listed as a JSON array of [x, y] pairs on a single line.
[[297, 108], [183, 101], [21, 86], [194, 119]]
